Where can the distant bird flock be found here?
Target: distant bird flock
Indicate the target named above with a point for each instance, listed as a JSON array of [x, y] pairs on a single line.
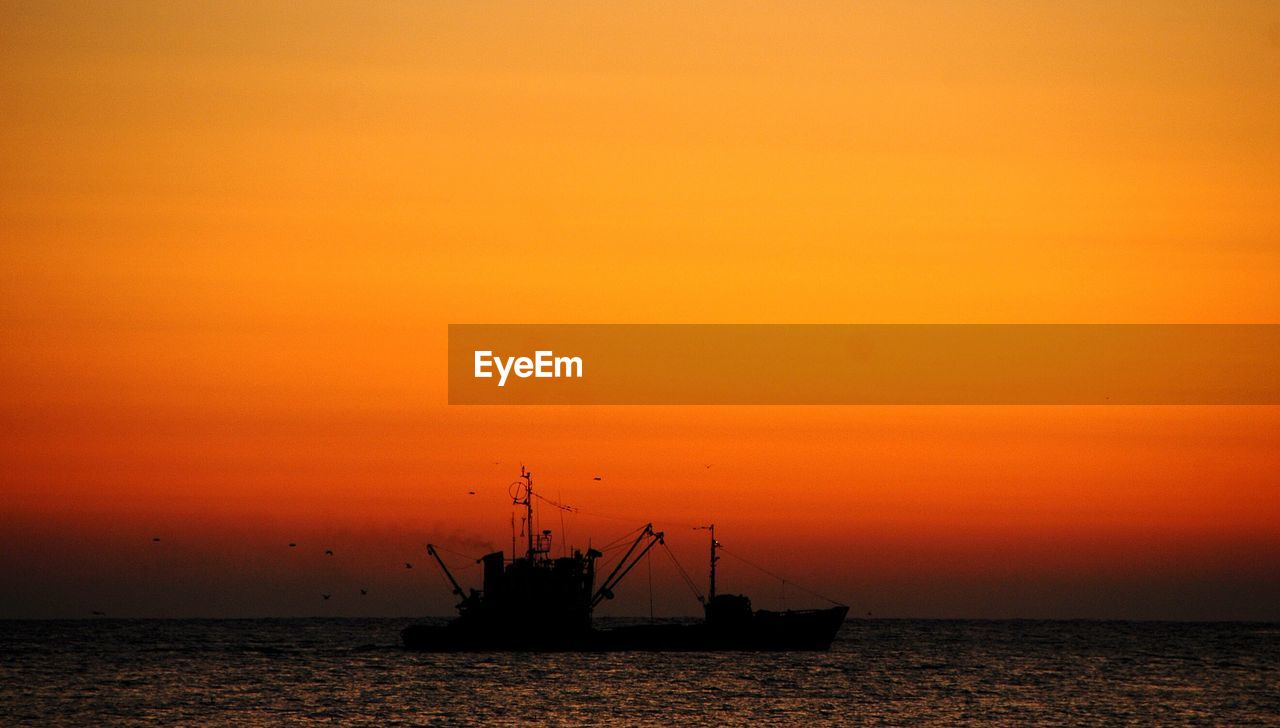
[[364, 591]]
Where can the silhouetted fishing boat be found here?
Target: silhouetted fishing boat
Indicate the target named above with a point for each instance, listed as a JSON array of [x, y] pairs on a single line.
[[540, 603]]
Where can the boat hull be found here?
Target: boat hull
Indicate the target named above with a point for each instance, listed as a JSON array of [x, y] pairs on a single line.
[[802, 630]]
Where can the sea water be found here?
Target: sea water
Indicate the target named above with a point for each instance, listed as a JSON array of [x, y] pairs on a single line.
[[351, 672]]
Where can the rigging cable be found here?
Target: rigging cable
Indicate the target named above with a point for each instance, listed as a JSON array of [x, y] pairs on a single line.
[[650, 565], [783, 580], [684, 574], [472, 559], [564, 536], [596, 514], [621, 540], [615, 547]]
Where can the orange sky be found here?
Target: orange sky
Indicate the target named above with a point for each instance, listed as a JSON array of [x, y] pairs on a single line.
[[231, 239]]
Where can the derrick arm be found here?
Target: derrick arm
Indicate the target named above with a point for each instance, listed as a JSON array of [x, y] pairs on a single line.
[[627, 563], [457, 588], [604, 591]]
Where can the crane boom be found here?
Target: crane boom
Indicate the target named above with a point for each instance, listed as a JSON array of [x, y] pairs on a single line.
[[457, 588], [627, 563]]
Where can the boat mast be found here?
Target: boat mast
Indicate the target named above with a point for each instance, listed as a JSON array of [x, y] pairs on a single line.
[[527, 476], [711, 593]]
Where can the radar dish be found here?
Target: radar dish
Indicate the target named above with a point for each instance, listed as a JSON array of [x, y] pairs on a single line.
[[519, 491]]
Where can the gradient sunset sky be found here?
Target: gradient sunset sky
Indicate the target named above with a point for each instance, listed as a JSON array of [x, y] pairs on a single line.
[[232, 237]]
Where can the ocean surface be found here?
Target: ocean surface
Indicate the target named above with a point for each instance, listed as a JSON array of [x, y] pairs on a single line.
[[350, 672]]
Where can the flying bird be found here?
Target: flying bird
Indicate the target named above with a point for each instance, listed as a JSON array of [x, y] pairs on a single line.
[[96, 613], [364, 592], [155, 539], [471, 492], [408, 565], [325, 596], [328, 552], [292, 545], [597, 478]]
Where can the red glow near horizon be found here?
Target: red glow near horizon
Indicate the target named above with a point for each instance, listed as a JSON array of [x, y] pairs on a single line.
[[231, 244]]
